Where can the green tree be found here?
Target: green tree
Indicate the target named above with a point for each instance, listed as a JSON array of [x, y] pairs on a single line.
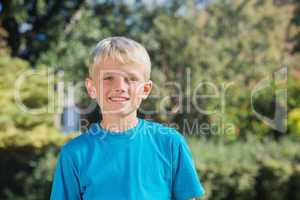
[[232, 45], [31, 25], [24, 137], [228, 42]]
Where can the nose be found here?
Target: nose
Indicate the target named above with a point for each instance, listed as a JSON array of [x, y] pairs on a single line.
[[120, 85]]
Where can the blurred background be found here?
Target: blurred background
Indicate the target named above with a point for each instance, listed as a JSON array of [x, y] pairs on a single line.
[[226, 75]]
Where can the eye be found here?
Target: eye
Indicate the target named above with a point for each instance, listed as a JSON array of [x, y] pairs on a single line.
[[108, 78], [133, 79]]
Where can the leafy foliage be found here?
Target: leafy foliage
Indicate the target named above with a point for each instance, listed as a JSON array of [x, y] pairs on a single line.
[[24, 136], [221, 49], [248, 170]]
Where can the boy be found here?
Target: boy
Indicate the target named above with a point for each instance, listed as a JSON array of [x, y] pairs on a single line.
[[124, 157]]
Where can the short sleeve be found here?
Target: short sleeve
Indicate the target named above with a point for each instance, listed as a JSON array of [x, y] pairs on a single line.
[[65, 184], [185, 184]]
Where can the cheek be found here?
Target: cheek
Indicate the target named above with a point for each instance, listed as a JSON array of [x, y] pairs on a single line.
[[138, 91], [102, 91], [103, 88]]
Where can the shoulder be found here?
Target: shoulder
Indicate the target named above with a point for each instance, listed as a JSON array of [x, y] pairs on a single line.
[[163, 132], [78, 144]]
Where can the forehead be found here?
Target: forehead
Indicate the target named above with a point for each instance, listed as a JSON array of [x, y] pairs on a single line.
[[133, 69]]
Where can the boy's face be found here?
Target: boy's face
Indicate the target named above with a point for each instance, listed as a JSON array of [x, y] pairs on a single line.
[[119, 89]]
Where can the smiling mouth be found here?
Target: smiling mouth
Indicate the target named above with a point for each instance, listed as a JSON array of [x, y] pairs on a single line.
[[118, 99]]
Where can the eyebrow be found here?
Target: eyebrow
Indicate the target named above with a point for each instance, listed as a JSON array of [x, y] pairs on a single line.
[[133, 74], [127, 73]]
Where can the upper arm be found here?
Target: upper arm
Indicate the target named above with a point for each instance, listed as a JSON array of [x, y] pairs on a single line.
[[66, 180], [186, 184]]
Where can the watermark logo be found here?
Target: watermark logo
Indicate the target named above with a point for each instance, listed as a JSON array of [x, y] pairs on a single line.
[[184, 99], [280, 111]]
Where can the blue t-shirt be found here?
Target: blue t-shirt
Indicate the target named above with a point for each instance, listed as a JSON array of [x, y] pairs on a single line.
[[147, 162]]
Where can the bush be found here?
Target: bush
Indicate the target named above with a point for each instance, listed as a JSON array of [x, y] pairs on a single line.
[[248, 170], [24, 137], [35, 182]]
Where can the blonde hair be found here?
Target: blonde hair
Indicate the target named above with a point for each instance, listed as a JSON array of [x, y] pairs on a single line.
[[122, 50]]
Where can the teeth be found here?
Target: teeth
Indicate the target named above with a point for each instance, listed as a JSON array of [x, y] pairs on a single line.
[[118, 99]]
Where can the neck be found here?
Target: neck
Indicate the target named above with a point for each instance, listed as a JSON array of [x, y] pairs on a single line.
[[119, 123]]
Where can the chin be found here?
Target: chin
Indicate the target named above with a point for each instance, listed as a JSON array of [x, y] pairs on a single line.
[[122, 112], [127, 113]]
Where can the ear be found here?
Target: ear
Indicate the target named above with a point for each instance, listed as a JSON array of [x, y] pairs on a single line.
[[90, 88], [147, 89]]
